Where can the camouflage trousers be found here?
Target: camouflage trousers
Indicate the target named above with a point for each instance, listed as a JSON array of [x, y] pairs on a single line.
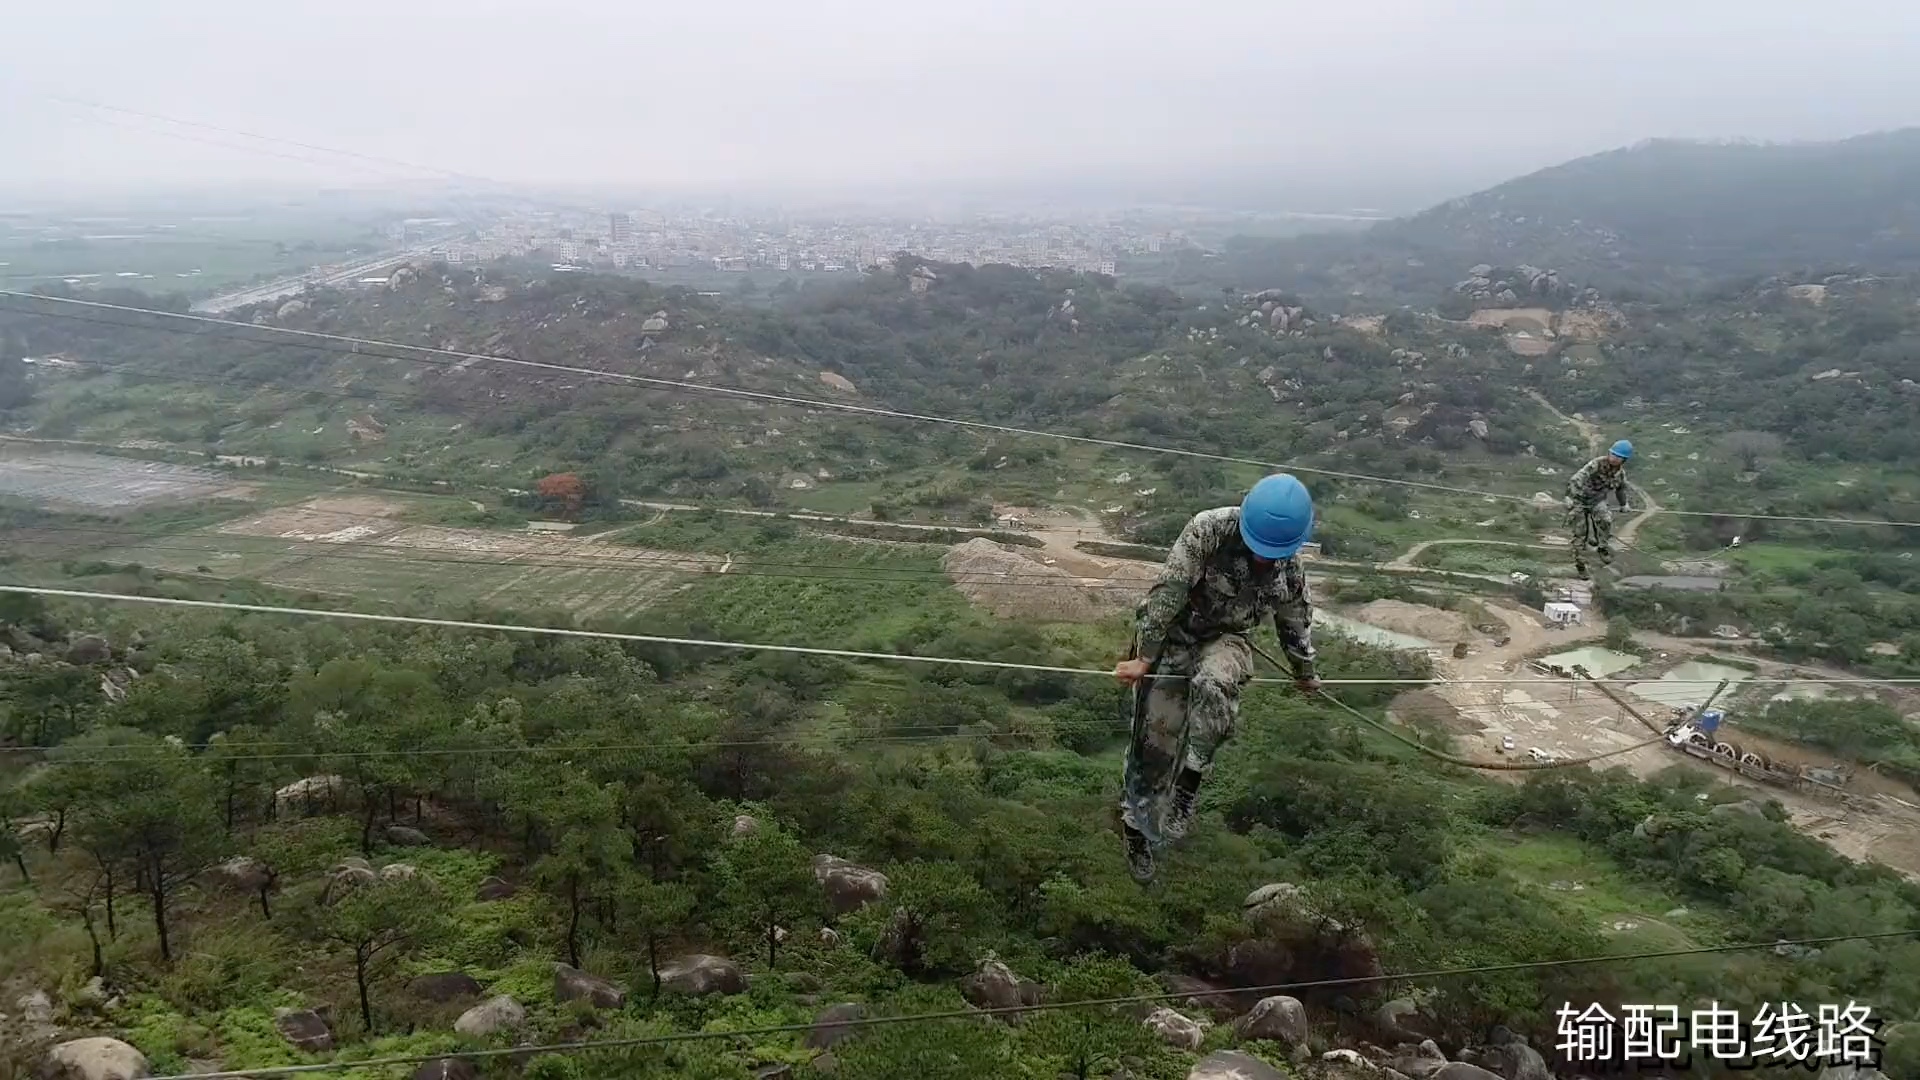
[[1181, 722], [1592, 526]]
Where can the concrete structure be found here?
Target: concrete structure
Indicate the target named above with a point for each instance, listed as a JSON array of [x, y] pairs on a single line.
[[1561, 614]]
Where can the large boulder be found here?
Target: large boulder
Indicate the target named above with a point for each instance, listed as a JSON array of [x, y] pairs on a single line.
[[446, 1068], [406, 836], [1193, 993], [1510, 1058], [89, 649], [745, 825], [345, 879], [995, 987], [1278, 1019], [1286, 940], [832, 1026], [399, 871], [1177, 1031], [848, 887], [700, 974], [94, 1059], [445, 986], [1460, 1070], [306, 1029], [36, 1008], [1234, 1065], [572, 984], [1403, 1021], [243, 873], [1421, 1062], [312, 795], [494, 888], [490, 1017]]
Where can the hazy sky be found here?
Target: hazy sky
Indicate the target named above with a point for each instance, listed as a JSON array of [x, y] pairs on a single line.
[[1329, 105]]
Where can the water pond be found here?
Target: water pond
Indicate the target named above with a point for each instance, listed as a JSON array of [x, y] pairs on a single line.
[[1367, 633], [1600, 662], [1690, 683]]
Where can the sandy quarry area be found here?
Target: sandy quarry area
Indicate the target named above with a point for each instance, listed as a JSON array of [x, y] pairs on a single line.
[[372, 521], [1417, 620], [1569, 718]]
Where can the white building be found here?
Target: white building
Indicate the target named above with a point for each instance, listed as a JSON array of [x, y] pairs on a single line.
[[1561, 614]]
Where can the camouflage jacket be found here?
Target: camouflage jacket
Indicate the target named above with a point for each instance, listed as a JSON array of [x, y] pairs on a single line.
[[1210, 587], [1595, 480]]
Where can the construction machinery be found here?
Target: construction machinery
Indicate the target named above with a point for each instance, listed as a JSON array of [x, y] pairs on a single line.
[[1701, 737]]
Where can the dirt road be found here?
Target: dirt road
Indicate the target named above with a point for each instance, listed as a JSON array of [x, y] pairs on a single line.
[[1407, 560]]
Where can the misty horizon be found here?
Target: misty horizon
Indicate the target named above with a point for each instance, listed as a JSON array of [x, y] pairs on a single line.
[[1386, 104]]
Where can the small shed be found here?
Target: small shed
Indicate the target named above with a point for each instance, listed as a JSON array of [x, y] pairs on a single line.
[[1562, 614]]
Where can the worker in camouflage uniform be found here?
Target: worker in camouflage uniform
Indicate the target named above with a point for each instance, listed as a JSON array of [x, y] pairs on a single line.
[[1230, 568], [1588, 516]]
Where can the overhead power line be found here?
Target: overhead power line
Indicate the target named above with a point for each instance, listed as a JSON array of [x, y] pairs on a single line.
[[34, 303], [585, 1046], [802, 650], [370, 551], [1411, 715]]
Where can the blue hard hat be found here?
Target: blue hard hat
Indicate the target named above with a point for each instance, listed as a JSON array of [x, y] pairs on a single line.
[[1276, 517], [1622, 450]]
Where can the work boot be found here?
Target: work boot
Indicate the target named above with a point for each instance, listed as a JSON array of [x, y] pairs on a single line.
[[1139, 855], [1606, 555], [1186, 793], [1580, 568]]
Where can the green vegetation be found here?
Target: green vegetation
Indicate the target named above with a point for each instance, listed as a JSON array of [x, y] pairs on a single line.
[[1868, 732], [225, 817], [629, 856], [175, 250], [1642, 221]]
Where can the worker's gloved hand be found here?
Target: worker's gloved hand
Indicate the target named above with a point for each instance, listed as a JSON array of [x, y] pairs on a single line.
[[1307, 684], [1131, 671]]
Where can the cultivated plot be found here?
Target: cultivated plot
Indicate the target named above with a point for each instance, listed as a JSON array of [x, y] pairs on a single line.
[[356, 545]]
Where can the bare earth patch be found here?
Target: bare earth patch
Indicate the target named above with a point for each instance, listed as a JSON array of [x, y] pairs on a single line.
[[1417, 620], [1538, 319], [1425, 708], [1528, 343], [1585, 325], [1014, 585]]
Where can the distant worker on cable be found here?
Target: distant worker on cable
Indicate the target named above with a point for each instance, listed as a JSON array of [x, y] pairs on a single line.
[[1230, 568], [1587, 514]]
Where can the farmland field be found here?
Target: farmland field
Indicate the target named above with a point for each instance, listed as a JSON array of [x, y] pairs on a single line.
[[358, 545]]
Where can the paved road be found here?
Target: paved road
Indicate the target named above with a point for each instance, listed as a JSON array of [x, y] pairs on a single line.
[[293, 286]]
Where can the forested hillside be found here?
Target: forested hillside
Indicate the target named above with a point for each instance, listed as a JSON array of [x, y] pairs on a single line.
[[244, 840], [271, 841], [1655, 218]]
